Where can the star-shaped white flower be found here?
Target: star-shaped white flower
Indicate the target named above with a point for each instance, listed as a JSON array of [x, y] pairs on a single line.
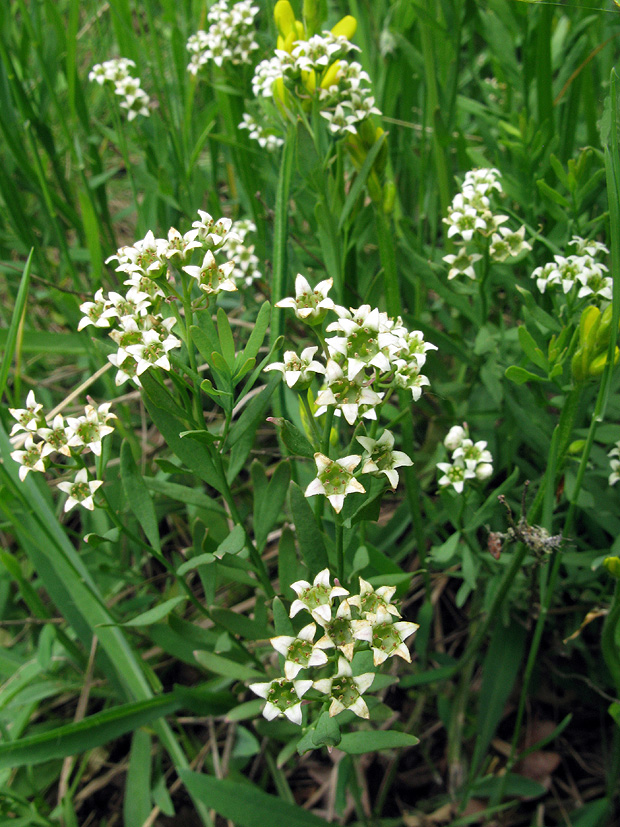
[[310, 304], [283, 698], [379, 458], [299, 652], [351, 398], [316, 598], [87, 431], [370, 600], [55, 438], [298, 370], [30, 457], [212, 277], [28, 417], [386, 637], [335, 479], [454, 474], [80, 491], [337, 631], [345, 690]]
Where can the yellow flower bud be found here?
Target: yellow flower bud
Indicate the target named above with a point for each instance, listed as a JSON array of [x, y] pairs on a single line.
[[330, 78], [612, 564], [309, 80], [597, 366], [588, 324], [345, 27], [300, 32], [280, 92], [284, 17]]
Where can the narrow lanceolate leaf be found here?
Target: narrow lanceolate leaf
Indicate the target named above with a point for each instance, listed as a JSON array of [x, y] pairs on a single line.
[[227, 668], [309, 536], [245, 804], [356, 743], [268, 499], [137, 803], [138, 496], [18, 313], [155, 614], [501, 667], [82, 736]]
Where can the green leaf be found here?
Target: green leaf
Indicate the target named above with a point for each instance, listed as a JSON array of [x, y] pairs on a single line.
[[194, 562], [83, 735], [155, 614], [243, 432], [502, 664], [360, 181], [515, 785], [16, 320], [552, 195], [194, 456], [309, 537], [245, 804], [296, 441], [531, 350], [288, 564], [226, 339], [138, 496], [268, 498], [257, 336], [184, 494], [228, 668], [200, 435], [137, 800], [356, 743], [520, 375], [232, 544], [239, 624], [327, 732]]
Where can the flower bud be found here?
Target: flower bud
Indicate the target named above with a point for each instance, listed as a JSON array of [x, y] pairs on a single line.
[[612, 564], [345, 27], [284, 17]]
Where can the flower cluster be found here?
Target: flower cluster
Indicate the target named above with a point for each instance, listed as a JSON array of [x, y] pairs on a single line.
[[153, 267], [370, 357], [117, 71], [367, 619], [578, 271], [470, 460], [229, 39], [306, 68], [73, 438], [615, 464], [475, 227]]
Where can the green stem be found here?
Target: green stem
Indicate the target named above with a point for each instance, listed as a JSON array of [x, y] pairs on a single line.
[[340, 548], [609, 647], [387, 254], [311, 418]]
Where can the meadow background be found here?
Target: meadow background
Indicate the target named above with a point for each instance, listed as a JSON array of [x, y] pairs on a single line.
[[125, 659]]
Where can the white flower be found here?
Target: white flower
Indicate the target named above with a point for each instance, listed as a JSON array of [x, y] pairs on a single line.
[[454, 437], [379, 458], [615, 471], [30, 458], [153, 351], [80, 491], [337, 631], [87, 431], [28, 417], [455, 474], [210, 233], [370, 600], [335, 479], [345, 690], [211, 277], [299, 652], [386, 638], [473, 453], [367, 340], [508, 243], [298, 370], [55, 438], [97, 312], [310, 305], [316, 598], [462, 263], [351, 398], [283, 698]]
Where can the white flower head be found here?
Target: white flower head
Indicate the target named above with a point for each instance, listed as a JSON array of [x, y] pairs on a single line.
[[370, 600], [298, 370], [316, 598], [337, 631], [350, 397], [283, 697], [386, 637], [80, 491], [380, 458], [299, 652], [56, 438], [454, 474], [310, 305], [27, 418], [335, 479], [462, 264], [345, 690], [30, 457], [87, 431], [455, 437], [212, 277]]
